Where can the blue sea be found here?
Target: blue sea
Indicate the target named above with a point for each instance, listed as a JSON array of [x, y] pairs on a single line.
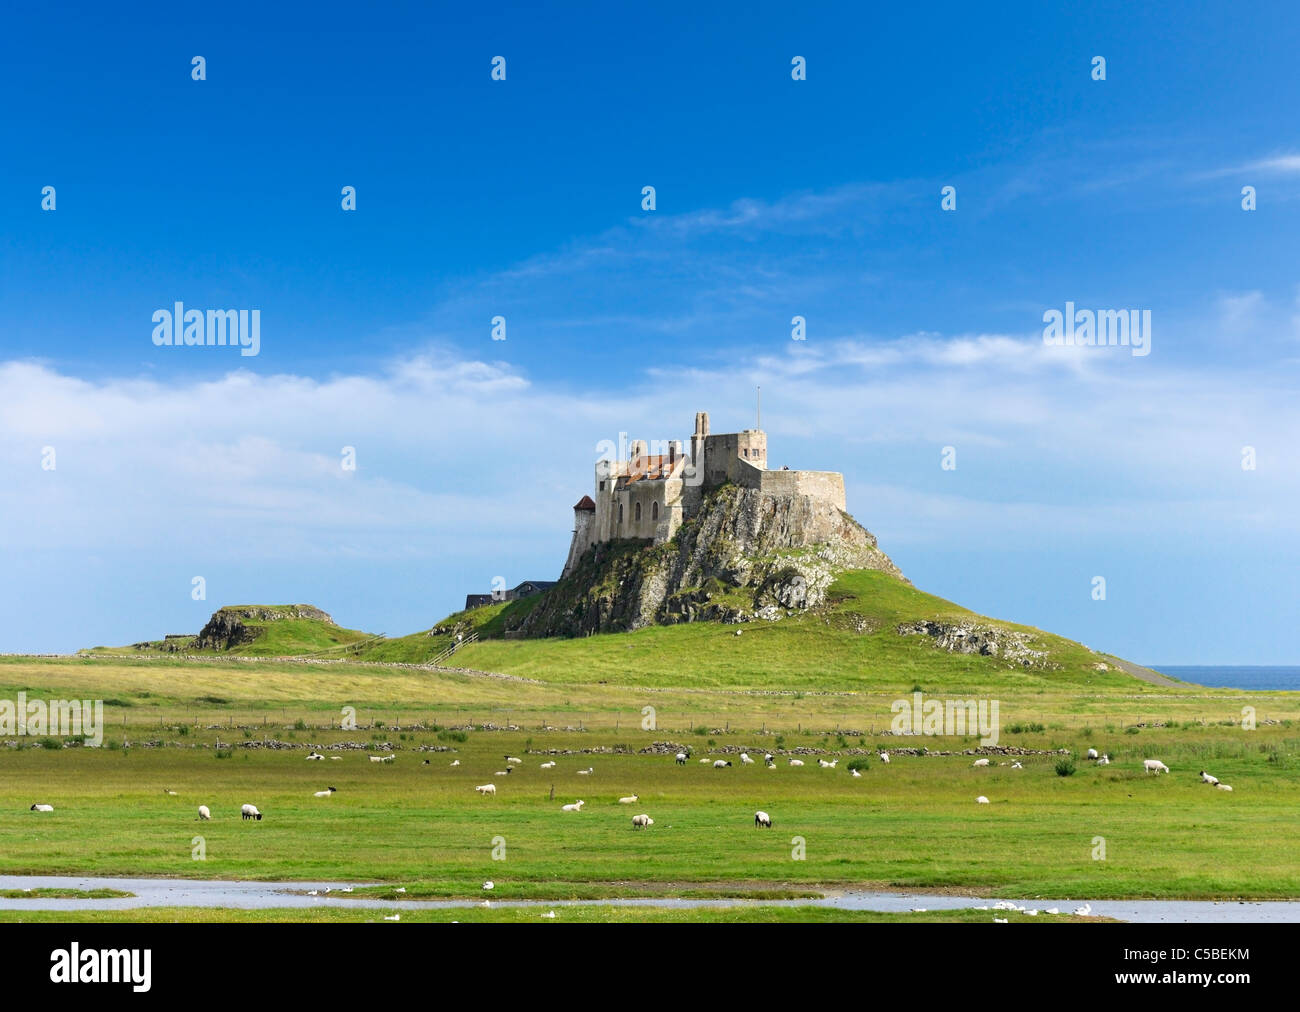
[[1271, 677]]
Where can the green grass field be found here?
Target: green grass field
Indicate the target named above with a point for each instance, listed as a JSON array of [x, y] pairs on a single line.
[[202, 728]]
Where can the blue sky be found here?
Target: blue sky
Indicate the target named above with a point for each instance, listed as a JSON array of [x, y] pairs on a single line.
[[775, 198]]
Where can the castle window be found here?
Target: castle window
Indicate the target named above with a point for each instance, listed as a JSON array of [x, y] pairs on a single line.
[[638, 512], [654, 511], [620, 513]]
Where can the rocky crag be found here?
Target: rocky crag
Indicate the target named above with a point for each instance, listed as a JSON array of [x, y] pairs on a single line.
[[227, 629], [745, 555]]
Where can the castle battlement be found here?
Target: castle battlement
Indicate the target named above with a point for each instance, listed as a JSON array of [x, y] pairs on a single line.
[[649, 496]]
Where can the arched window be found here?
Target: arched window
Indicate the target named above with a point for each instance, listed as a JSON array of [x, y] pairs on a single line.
[[620, 513], [638, 512], [654, 511]]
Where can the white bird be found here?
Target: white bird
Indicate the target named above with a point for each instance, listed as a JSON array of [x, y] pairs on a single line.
[[1051, 910], [325, 793], [549, 915], [1083, 911], [981, 800]]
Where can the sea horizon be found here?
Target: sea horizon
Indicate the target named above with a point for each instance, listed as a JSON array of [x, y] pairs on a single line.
[[1280, 677]]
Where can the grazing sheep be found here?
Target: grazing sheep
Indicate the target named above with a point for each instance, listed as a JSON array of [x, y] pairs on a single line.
[[631, 799], [575, 807], [641, 821], [426, 763], [884, 757], [504, 773], [1208, 779], [548, 766], [1092, 753], [328, 792], [168, 790], [681, 759], [487, 789], [204, 813], [41, 808], [512, 759], [762, 819], [981, 800], [1154, 766], [250, 812], [720, 764], [827, 765], [455, 762], [376, 758], [980, 762], [767, 757], [1222, 787], [796, 762], [314, 755], [744, 758], [587, 772]]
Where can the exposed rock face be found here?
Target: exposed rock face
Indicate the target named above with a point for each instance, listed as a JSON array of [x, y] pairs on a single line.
[[745, 555], [972, 638], [226, 629]]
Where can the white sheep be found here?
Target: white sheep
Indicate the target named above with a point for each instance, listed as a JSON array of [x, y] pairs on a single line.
[[336, 758], [486, 789], [503, 773], [575, 807], [512, 759], [548, 766], [376, 758], [587, 772], [855, 773], [455, 762], [681, 759], [204, 813], [981, 800], [1209, 779], [705, 759], [744, 758], [827, 765], [1092, 753], [631, 799], [762, 819], [720, 764], [980, 762], [1104, 761], [1154, 766], [327, 793], [796, 762], [314, 756], [41, 808], [1017, 765], [767, 757], [1223, 787], [884, 757], [641, 821], [250, 812]]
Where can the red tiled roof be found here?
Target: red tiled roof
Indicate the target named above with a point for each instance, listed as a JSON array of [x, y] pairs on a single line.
[[585, 503]]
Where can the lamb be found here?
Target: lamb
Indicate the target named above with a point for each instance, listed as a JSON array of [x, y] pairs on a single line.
[[980, 762], [587, 772], [41, 808], [855, 773], [548, 766], [884, 757], [720, 764], [504, 773], [641, 821], [762, 819], [575, 807], [767, 757], [1209, 779], [1222, 787], [796, 762], [1104, 761], [1092, 753], [981, 800], [204, 813], [705, 759], [827, 765], [631, 799], [1017, 765], [1154, 766], [512, 759], [744, 758], [681, 759], [486, 789], [336, 758], [455, 762], [250, 812], [328, 792], [314, 756], [376, 758]]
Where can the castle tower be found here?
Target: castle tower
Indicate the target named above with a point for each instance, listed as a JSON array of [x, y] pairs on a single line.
[[584, 518]]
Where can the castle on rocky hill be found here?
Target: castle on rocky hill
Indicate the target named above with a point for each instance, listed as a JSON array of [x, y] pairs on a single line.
[[650, 495]]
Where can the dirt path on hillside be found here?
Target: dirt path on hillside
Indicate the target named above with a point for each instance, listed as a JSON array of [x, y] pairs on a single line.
[[1146, 674]]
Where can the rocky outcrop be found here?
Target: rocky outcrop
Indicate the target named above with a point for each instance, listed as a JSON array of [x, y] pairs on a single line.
[[745, 555], [226, 628], [972, 638]]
